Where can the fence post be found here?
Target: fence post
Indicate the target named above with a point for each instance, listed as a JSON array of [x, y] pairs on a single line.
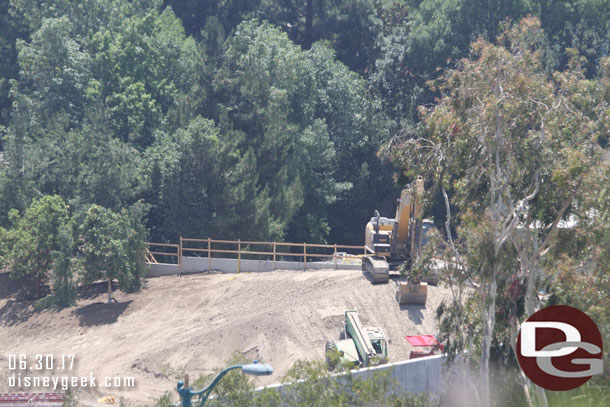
[[273, 256], [304, 256], [335, 256], [238, 255], [209, 256], [180, 253], [180, 258]]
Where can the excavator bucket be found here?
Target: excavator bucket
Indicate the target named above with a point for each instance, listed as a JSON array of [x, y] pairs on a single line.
[[409, 293]]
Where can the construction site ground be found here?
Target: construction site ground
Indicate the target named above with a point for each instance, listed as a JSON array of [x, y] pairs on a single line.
[[195, 323]]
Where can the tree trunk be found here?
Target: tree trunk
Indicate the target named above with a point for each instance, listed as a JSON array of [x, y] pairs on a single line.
[[489, 321], [109, 290], [529, 309], [527, 252], [541, 394], [524, 381], [308, 40]]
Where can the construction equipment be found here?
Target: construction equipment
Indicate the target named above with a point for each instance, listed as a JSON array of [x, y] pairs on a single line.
[[392, 242], [364, 346], [412, 292]]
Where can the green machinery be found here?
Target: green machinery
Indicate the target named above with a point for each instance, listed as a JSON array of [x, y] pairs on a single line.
[[363, 346]]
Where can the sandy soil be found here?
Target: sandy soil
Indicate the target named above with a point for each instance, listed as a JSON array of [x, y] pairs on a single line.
[[195, 323]]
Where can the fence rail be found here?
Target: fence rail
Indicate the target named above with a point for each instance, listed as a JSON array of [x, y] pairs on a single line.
[[186, 244], [150, 254]]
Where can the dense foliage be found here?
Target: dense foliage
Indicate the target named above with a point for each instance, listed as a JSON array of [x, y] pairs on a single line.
[[97, 100], [33, 241], [518, 150], [51, 243]]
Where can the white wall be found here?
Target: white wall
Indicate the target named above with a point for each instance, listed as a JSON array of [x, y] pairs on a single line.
[[422, 375], [162, 269], [193, 265]]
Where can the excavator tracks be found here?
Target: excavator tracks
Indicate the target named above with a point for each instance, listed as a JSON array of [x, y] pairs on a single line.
[[377, 267]]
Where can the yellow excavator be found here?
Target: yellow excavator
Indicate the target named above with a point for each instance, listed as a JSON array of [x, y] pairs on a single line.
[[391, 242]]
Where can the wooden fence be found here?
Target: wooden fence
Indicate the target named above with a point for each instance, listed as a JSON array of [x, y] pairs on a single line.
[[150, 255], [242, 247]]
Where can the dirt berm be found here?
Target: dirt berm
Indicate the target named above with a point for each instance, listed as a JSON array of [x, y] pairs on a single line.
[[195, 323]]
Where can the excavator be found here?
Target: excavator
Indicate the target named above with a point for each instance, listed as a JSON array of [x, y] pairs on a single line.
[[392, 242]]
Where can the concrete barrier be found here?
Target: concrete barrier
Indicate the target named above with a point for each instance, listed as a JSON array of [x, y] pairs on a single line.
[[422, 375], [194, 265], [162, 269]]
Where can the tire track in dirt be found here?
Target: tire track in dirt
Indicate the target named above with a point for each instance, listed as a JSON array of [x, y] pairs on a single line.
[[196, 322]]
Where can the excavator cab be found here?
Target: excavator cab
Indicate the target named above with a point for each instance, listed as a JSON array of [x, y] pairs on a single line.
[[379, 235]]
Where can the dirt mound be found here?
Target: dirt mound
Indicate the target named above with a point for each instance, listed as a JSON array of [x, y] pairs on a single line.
[[195, 323]]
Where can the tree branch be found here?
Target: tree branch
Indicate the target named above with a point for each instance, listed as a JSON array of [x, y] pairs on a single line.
[[544, 248], [515, 213]]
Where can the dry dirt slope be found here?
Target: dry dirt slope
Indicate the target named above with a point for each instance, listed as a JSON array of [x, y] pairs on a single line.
[[196, 322]]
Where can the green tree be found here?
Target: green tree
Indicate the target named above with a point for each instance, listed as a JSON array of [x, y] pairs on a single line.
[[142, 71], [513, 147], [582, 25], [195, 14], [193, 172], [10, 30], [54, 71], [581, 258], [34, 239], [312, 132], [90, 14], [267, 91], [351, 27], [393, 77], [442, 30], [136, 62], [357, 129], [65, 267], [111, 246], [83, 165], [300, 20], [96, 80]]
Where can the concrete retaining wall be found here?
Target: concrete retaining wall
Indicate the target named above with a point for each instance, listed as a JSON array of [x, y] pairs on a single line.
[[162, 269], [422, 375], [193, 265]]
